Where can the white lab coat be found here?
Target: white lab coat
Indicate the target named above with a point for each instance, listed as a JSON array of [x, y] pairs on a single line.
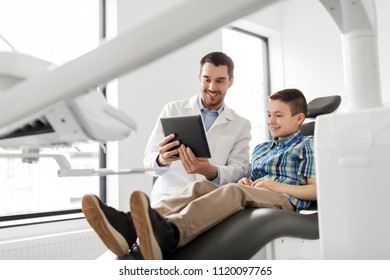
[[228, 140]]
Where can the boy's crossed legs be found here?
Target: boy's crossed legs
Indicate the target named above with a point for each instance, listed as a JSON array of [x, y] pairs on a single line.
[[181, 218]]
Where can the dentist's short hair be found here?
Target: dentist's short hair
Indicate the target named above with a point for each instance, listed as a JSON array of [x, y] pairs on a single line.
[[219, 58]]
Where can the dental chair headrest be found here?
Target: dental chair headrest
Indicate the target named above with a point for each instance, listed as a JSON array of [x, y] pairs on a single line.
[[319, 106], [323, 105]]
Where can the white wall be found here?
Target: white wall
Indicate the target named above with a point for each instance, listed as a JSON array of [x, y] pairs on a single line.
[[312, 49], [306, 53]]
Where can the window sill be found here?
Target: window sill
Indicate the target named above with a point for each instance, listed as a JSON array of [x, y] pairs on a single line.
[[30, 228]]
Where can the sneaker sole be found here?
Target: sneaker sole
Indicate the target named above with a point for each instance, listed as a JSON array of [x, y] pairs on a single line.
[[113, 240], [139, 205]]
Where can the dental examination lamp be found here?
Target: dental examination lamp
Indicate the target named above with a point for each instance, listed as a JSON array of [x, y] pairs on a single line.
[[87, 117], [83, 118], [351, 148]]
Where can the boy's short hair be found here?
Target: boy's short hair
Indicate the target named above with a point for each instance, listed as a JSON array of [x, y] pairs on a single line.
[[294, 98], [219, 58]]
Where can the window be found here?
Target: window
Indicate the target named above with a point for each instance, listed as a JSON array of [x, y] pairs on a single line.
[[249, 93], [56, 31]]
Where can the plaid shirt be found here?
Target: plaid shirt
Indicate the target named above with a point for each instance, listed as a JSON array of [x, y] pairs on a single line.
[[288, 160]]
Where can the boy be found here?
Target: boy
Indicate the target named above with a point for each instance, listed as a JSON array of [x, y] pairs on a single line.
[[281, 176]]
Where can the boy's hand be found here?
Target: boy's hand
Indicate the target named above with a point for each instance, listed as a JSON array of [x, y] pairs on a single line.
[[266, 183], [245, 181]]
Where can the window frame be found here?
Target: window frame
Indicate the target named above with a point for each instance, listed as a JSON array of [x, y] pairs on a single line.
[[45, 217], [266, 65]]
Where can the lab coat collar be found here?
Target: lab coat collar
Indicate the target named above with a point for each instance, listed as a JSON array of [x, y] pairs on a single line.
[[192, 104]]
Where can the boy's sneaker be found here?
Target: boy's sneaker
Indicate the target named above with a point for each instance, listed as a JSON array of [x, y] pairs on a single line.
[[115, 228], [157, 236]]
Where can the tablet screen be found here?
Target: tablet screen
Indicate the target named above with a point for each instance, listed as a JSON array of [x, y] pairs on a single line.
[[189, 130]]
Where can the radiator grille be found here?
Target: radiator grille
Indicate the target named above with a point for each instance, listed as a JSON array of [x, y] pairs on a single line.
[[80, 245]]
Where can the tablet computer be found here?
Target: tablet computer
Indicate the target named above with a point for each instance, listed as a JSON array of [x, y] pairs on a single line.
[[189, 130]]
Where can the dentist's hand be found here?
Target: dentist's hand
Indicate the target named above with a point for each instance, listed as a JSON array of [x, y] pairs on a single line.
[[166, 156], [193, 165]]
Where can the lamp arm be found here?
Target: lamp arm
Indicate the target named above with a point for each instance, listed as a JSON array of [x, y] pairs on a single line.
[[127, 52]]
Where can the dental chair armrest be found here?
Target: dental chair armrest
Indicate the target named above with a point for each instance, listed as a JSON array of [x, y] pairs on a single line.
[[245, 233]]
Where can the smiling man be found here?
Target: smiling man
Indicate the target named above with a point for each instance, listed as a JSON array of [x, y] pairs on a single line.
[[214, 83], [228, 134]]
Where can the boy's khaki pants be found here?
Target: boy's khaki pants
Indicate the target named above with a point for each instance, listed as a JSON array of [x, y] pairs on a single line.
[[201, 205]]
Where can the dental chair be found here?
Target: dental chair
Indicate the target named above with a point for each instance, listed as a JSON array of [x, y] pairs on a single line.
[[246, 232]]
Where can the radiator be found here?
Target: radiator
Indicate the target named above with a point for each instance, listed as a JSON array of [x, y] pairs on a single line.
[[77, 245]]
